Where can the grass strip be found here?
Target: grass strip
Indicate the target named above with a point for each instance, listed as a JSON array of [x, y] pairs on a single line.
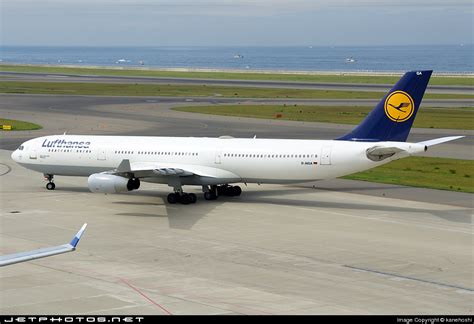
[[18, 125], [427, 117], [114, 89], [424, 172]]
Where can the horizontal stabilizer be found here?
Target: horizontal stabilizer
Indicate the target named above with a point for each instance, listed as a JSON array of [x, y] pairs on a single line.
[[386, 150], [440, 140]]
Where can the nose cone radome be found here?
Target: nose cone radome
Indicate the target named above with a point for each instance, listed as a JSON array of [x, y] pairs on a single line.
[[14, 156]]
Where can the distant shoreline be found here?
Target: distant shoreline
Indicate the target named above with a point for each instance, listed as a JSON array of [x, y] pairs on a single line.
[[243, 71]]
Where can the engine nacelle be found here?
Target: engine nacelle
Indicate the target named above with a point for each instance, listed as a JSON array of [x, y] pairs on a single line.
[[108, 183]]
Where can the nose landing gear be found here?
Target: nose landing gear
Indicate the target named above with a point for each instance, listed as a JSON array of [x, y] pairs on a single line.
[[50, 178]]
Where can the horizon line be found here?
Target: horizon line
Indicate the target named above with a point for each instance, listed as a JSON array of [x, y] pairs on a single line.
[[242, 45]]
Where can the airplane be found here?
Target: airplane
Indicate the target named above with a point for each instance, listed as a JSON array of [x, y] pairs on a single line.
[[115, 164], [44, 252]]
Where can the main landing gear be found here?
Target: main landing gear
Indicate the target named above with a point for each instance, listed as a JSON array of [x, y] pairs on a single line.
[[222, 190], [210, 193], [182, 197], [50, 178]]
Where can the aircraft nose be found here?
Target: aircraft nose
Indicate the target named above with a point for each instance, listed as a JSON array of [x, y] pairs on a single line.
[[14, 156]]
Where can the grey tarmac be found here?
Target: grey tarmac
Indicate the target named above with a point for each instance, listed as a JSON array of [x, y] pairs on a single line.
[[273, 250], [332, 247], [61, 77]]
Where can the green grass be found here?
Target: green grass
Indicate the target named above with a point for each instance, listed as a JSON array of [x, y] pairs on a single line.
[[427, 117], [425, 172], [114, 89], [336, 78], [18, 125]]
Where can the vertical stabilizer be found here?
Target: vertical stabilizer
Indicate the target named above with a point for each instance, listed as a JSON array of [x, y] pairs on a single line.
[[392, 118]]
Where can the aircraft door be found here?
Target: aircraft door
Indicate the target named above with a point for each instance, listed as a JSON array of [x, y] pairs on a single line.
[[218, 159], [326, 155], [33, 154], [101, 154]]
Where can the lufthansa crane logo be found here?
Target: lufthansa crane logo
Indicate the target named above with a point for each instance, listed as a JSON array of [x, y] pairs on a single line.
[[399, 106]]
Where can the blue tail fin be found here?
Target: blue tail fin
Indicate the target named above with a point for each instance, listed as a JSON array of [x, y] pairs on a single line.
[[392, 118]]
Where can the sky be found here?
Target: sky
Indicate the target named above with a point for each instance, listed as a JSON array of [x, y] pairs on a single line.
[[235, 22]]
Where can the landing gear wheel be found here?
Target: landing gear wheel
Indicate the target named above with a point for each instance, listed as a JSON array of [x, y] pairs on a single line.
[[50, 186], [229, 191], [210, 195], [193, 198], [236, 191], [185, 199], [173, 198], [222, 190]]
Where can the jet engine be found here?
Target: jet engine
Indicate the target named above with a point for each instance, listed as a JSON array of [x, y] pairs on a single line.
[[109, 183]]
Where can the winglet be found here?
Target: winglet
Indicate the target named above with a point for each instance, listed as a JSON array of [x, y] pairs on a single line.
[[77, 237]]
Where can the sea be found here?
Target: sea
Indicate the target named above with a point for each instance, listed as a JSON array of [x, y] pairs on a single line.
[[440, 58]]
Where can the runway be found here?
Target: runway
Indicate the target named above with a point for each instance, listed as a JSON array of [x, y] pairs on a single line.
[[274, 250], [152, 116], [60, 77]]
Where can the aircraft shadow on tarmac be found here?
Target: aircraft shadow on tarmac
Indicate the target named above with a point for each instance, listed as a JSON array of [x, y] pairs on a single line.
[[186, 216], [455, 215]]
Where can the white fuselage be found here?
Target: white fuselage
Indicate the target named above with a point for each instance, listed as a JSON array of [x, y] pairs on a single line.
[[251, 160]]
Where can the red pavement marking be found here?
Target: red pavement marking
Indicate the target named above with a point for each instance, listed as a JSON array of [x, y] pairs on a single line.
[[146, 297]]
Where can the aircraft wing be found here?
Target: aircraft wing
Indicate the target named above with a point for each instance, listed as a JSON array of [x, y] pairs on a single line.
[[42, 253], [388, 149], [153, 169]]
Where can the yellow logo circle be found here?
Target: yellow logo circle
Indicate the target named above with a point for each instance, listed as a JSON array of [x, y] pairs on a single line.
[[399, 106]]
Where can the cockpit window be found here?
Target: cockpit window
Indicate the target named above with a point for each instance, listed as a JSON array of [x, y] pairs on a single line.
[[21, 148]]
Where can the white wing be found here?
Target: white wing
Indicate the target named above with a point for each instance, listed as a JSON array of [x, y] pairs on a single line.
[[42, 253]]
